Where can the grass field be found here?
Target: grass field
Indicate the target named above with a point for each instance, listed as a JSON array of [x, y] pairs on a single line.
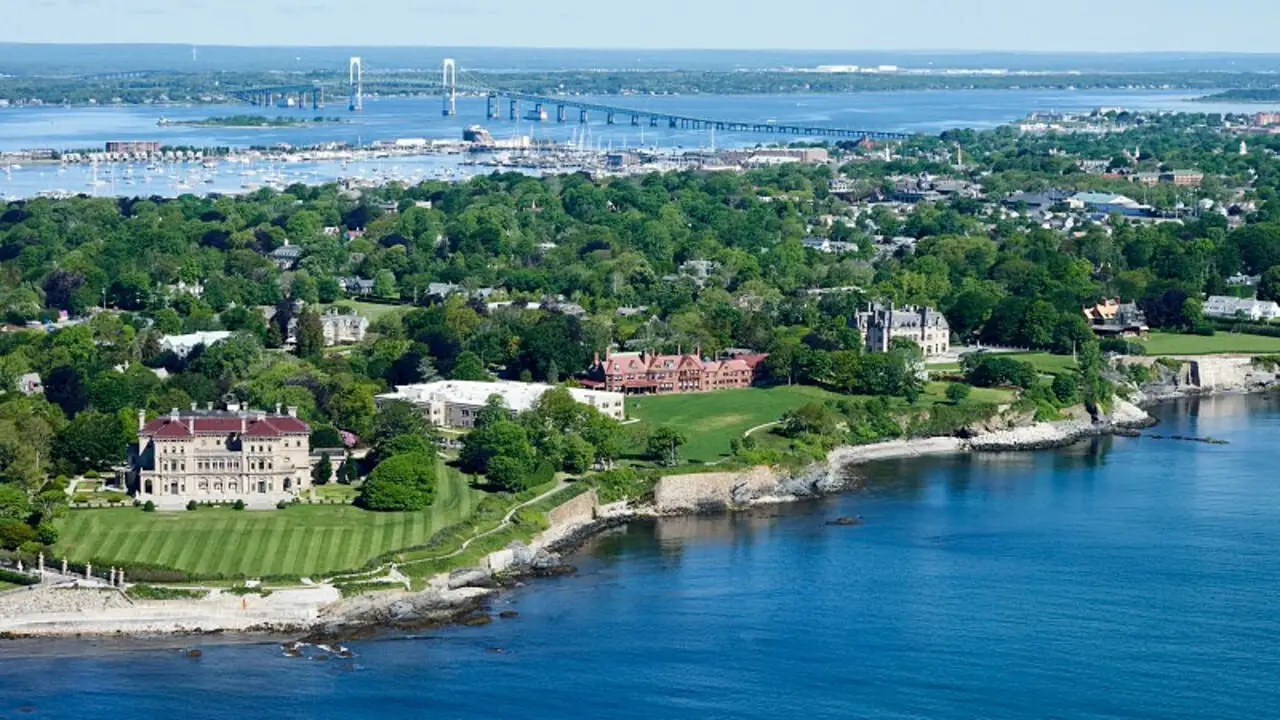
[[1047, 363], [1222, 342], [373, 311], [710, 420], [300, 540]]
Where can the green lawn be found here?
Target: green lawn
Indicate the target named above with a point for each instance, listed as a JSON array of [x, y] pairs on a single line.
[[373, 311], [1222, 342], [1047, 363], [300, 540], [710, 420], [936, 393]]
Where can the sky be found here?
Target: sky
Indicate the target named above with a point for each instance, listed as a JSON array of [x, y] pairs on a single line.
[[1084, 25]]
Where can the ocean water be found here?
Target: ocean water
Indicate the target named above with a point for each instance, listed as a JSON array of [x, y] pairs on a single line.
[[1119, 578]]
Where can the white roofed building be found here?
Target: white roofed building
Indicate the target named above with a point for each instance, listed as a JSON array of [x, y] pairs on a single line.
[[455, 403]]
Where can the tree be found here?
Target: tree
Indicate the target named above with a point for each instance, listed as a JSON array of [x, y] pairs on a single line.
[[310, 335], [957, 393], [664, 444], [427, 370], [323, 471], [92, 441], [400, 483], [1269, 284], [494, 410], [470, 367], [578, 454], [384, 284], [553, 372], [500, 438]]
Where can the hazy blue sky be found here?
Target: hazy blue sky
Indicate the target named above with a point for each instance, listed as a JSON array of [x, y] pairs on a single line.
[[1104, 25]]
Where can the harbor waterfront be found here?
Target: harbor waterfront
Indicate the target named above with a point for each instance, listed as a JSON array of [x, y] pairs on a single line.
[[391, 118], [1117, 578]]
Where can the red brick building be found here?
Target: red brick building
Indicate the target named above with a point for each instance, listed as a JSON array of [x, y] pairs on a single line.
[[646, 373]]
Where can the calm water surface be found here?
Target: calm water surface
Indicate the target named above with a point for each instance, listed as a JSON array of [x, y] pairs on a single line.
[[390, 118], [1126, 578]]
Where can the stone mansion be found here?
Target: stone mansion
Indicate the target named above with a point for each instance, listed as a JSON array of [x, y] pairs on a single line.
[[221, 456]]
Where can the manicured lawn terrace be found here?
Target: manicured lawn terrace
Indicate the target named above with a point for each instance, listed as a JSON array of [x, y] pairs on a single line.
[[300, 540], [1222, 342], [373, 311], [709, 420]]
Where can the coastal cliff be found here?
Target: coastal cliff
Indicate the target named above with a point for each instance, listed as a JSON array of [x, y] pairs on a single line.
[[1172, 378]]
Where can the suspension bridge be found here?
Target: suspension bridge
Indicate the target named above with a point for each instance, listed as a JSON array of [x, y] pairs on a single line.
[[543, 108]]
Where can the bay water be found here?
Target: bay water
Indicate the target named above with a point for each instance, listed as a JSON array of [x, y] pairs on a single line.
[[1117, 578]]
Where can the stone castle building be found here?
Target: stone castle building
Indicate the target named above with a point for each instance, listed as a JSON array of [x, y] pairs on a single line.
[[221, 456], [927, 327]]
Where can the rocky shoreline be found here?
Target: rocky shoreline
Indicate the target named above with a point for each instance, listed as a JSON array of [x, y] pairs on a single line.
[[467, 596]]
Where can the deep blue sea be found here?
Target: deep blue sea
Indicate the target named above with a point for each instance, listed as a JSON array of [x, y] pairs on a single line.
[[1120, 578]]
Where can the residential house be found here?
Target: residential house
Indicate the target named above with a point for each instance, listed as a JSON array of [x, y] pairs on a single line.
[[829, 246], [286, 256], [30, 384], [339, 328], [1112, 318], [1226, 306], [182, 345], [356, 286]]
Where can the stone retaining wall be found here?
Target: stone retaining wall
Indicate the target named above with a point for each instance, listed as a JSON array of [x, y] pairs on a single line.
[[578, 510], [687, 493]]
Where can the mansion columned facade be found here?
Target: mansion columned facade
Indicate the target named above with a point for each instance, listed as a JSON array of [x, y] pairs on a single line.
[[222, 456]]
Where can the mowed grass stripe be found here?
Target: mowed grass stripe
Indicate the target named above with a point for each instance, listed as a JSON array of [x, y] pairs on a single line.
[[230, 560], [210, 535], [311, 551], [293, 550], [271, 554], [300, 540]]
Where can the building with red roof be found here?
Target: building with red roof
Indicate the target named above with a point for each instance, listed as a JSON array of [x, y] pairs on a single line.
[[222, 456], [656, 374]]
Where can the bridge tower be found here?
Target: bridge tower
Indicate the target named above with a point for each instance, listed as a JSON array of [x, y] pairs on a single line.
[[355, 76], [449, 83]]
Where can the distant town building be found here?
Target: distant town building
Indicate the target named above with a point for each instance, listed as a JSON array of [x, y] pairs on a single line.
[[133, 147], [182, 345], [649, 373], [826, 245], [456, 403], [1107, 203], [1242, 280], [286, 256], [356, 286], [339, 329], [1226, 306], [927, 327], [30, 384], [1112, 318], [221, 456]]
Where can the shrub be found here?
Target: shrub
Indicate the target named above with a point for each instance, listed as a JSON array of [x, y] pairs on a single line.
[[91, 474], [282, 504], [148, 506], [958, 393], [80, 498], [115, 498], [399, 483], [192, 505], [239, 505], [151, 592], [17, 578], [995, 370]]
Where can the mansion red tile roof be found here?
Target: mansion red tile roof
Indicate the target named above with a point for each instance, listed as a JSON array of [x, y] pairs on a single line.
[[170, 427]]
